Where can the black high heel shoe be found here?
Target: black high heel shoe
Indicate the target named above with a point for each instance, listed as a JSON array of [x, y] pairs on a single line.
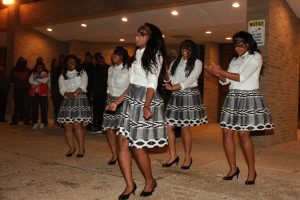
[[187, 167], [147, 194], [251, 182], [126, 196], [80, 155], [112, 162], [229, 178], [70, 154], [171, 163]]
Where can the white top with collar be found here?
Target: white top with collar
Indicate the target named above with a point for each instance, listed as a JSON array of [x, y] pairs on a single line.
[[73, 82], [179, 76], [118, 80], [248, 66], [137, 74]]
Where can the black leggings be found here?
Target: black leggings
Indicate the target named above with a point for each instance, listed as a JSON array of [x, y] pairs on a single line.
[[39, 102]]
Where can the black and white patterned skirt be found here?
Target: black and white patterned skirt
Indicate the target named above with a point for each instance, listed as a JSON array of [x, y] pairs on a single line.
[[75, 110], [140, 132], [185, 108], [245, 110], [111, 119]]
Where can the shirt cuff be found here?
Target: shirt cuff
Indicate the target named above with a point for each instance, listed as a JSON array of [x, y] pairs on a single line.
[[182, 86], [224, 83]]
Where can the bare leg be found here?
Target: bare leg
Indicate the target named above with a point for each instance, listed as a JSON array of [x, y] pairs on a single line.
[[248, 150], [80, 137], [229, 148], [172, 143], [68, 129], [125, 162], [143, 161], [111, 139], [187, 144]]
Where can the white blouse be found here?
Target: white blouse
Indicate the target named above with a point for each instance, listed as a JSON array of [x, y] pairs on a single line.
[[118, 80], [73, 82], [179, 76], [248, 66], [137, 74]]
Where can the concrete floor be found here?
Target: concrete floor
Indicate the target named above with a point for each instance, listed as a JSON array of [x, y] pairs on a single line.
[[33, 166]]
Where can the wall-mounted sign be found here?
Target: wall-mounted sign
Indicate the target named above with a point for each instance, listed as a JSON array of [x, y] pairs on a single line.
[[257, 29]]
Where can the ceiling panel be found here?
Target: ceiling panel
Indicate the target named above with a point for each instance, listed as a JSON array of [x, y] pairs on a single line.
[[193, 20]]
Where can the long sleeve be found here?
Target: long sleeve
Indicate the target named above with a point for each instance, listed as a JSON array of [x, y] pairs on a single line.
[[62, 87], [44, 80], [250, 67], [32, 81], [194, 75], [84, 81], [152, 78]]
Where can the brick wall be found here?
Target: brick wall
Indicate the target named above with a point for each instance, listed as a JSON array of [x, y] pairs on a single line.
[[32, 44], [280, 82], [3, 18], [211, 82]]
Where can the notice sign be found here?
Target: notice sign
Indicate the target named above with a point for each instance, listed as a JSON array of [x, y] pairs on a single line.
[[257, 29]]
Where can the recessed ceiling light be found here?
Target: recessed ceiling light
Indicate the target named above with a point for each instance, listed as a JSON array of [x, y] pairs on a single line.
[[8, 2], [208, 32], [124, 19], [228, 38], [49, 29], [236, 5], [163, 36], [174, 12], [122, 40], [83, 25]]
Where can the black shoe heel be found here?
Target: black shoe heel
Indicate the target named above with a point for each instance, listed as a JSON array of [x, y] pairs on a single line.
[[187, 167], [229, 178], [112, 162], [251, 182], [171, 163], [70, 154], [147, 194], [126, 196]]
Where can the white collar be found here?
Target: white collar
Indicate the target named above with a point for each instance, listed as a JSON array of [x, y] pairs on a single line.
[[118, 67], [71, 72]]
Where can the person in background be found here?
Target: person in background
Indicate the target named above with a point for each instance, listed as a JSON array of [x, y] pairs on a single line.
[[19, 77], [99, 89], [55, 72], [39, 94], [4, 90], [75, 112], [118, 82], [88, 66]]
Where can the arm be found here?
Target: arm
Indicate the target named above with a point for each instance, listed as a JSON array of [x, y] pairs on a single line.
[[194, 75], [113, 105], [83, 84], [32, 81], [62, 87]]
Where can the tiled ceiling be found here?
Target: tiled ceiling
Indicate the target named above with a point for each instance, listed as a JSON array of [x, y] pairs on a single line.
[[193, 20]]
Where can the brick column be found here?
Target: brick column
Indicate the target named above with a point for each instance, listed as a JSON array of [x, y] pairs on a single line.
[[280, 80], [211, 82]]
